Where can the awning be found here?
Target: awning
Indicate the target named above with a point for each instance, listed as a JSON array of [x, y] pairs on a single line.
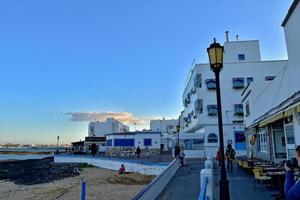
[[292, 110], [285, 113], [271, 119]]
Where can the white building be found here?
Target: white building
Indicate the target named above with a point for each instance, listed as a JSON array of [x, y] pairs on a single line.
[[242, 65], [167, 128], [273, 109], [125, 144], [100, 129]]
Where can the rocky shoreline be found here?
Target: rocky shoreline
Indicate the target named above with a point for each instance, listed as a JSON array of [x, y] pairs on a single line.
[[36, 171], [43, 179]]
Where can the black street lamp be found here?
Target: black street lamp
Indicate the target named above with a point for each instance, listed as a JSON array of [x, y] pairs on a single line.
[[215, 54], [178, 129]]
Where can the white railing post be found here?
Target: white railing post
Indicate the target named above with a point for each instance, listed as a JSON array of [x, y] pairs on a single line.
[[208, 172]]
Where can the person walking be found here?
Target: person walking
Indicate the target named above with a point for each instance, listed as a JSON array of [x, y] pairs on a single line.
[[218, 156], [176, 151], [138, 151], [230, 155], [181, 157]]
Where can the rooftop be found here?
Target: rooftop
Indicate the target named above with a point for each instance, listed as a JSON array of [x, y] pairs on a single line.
[[290, 12]]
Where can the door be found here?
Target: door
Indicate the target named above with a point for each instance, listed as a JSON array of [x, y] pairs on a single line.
[[279, 144], [290, 140]]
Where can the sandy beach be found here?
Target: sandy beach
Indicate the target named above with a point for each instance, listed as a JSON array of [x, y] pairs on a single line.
[[102, 184]]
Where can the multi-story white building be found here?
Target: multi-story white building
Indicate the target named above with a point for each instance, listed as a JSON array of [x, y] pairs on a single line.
[[242, 65], [273, 110], [167, 128], [100, 129]]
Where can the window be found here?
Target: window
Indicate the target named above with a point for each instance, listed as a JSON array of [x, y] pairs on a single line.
[[249, 80], [269, 78], [198, 81], [241, 57], [212, 138], [289, 132], [109, 143], [212, 110], [198, 106], [238, 110], [240, 140], [148, 142], [187, 101], [210, 84], [192, 144], [263, 142], [247, 109], [124, 142], [238, 83]]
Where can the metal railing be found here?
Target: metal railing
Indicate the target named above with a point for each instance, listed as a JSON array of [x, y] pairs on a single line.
[[202, 194]]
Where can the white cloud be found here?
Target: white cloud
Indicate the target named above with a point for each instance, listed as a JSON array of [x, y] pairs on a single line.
[[125, 117]]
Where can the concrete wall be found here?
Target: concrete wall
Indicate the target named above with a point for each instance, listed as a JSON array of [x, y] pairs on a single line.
[[114, 164], [159, 183], [164, 125], [100, 129], [138, 139], [250, 49]]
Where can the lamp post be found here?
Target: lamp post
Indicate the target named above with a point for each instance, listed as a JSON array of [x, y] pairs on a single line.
[[57, 144], [215, 54], [178, 129]]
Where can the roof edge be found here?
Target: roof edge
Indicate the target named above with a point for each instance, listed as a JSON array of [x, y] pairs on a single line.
[[290, 12]]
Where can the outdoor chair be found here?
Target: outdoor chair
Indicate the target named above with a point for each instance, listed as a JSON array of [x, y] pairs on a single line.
[[259, 177], [245, 166]]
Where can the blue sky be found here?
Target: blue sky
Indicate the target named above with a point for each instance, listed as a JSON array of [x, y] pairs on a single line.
[[122, 58]]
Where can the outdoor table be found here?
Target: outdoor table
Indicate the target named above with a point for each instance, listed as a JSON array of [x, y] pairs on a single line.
[[273, 169], [279, 178]]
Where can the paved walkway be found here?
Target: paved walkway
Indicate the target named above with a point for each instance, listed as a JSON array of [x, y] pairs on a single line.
[[185, 184], [241, 186]]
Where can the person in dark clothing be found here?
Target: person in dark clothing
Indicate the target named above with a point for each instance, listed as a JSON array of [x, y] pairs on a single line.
[[181, 156], [292, 187], [138, 151], [218, 156], [230, 155], [176, 151]]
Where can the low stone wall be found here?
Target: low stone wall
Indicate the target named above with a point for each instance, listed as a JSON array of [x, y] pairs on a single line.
[[130, 165], [131, 152]]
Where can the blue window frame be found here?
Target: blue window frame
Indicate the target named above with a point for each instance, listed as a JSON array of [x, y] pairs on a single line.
[[249, 80], [269, 78], [123, 142], [109, 143], [241, 57], [148, 142], [238, 110], [238, 83], [198, 81], [240, 140], [210, 84], [212, 110]]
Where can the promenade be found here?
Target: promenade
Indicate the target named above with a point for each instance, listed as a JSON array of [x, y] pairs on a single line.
[[241, 186], [185, 184]]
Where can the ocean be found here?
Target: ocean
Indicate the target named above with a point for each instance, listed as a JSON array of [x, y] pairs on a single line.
[[24, 153]]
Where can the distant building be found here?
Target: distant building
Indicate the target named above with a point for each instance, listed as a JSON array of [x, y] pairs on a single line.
[[272, 110], [167, 128], [111, 125], [242, 65], [125, 144]]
